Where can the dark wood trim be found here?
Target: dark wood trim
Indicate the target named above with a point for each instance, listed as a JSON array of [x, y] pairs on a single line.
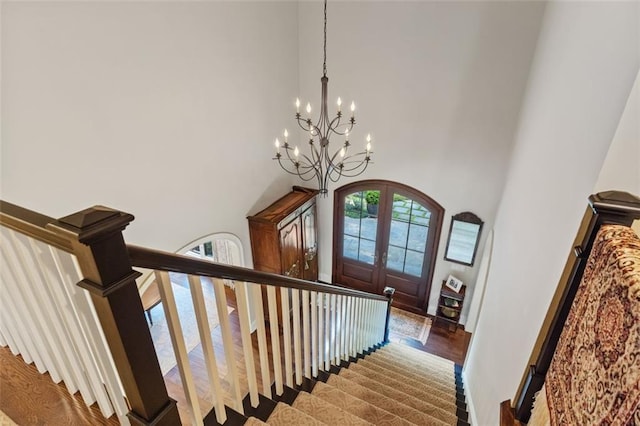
[[507, 417], [95, 236], [470, 218], [613, 207], [388, 292], [32, 224], [435, 230], [155, 259]]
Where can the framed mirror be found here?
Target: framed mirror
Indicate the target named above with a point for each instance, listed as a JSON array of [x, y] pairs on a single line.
[[464, 236]]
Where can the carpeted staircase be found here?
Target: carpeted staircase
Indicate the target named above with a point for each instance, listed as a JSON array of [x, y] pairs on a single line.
[[391, 385]]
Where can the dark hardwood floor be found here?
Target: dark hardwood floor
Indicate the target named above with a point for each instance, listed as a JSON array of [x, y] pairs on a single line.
[[451, 345], [31, 398]]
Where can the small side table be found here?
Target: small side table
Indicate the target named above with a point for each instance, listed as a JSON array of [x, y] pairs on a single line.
[[450, 306]]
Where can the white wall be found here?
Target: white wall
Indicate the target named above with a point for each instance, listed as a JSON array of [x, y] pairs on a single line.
[[586, 60], [161, 109], [621, 169], [439, 86]]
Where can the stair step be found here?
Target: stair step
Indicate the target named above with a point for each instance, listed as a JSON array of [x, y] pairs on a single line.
[[374, 398], [412, 360], [326, 412], [374, 371], [417, 358], [285, 415], [445, 414], [441, 367], [435, 378], [357, 407]]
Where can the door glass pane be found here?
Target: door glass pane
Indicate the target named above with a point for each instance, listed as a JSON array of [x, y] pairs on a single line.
[[360, 225], [350, 249], [408, 234], [413, 263], [398, 232], [367, 248], [417, 237], [395, 258]]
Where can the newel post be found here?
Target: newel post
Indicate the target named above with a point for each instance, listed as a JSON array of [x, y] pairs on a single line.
[[388, 291], [96, 237]]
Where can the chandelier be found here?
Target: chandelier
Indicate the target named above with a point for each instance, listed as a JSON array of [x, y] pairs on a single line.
[[320, 163]]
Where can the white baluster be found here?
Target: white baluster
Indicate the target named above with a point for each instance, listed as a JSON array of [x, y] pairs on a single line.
[[275, 338], [319, 308], [352, 326], [204, 330], [26, 324], [343, 331], [177, 340], [73, 357], [247, 344], [333, 342], [327, 331], [227, 342], [297, 350], [314, 333], [262, 340], [286, 333], [306, 337], [360, 328]]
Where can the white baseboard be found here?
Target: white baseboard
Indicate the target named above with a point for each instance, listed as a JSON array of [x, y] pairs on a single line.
[[470, 408]]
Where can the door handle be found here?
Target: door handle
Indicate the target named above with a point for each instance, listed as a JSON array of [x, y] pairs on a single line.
[[384, 259]]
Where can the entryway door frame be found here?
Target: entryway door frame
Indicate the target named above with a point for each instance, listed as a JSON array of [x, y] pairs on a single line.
[[374, 277]]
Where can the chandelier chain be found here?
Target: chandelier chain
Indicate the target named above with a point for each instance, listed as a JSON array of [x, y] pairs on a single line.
[[324, 64]]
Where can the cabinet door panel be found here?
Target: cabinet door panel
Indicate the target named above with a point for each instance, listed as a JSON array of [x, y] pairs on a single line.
[[310, 244], [290, 248]]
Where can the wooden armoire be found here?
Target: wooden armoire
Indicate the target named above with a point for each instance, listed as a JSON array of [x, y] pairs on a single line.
[[284, 236]]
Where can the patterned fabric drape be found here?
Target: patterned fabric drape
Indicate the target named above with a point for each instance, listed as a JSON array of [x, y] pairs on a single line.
[[594, 378]]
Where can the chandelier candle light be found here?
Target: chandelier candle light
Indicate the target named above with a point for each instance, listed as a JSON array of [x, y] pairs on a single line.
[[320, 163]]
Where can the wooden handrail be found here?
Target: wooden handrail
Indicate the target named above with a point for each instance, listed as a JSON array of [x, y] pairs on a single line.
[[32, 224], [159, 260]]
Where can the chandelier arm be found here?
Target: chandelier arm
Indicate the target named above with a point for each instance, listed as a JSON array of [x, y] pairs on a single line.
[[345, 170], [292, 172], [306, 169], [348, 128], [348, 172], [351, 159]]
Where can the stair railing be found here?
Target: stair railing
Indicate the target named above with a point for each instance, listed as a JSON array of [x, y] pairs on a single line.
[[311, 329]]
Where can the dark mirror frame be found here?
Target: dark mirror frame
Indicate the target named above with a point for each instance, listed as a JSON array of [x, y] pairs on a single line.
[[466, 217]]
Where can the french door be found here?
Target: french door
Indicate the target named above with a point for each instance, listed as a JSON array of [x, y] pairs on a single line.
[[386, 234]]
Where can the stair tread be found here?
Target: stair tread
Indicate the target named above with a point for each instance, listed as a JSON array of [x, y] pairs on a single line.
[[415, 356], [392, 393], [431, 396], [415, 373], [358, 407], [285, 415], [325, 411], [447, 369], [374, 398], [432, 379]]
